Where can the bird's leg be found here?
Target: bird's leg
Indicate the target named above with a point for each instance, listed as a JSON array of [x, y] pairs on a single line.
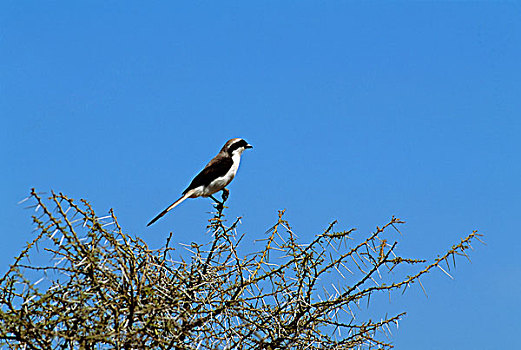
[[219, 205], [225, 194], [215, 199]]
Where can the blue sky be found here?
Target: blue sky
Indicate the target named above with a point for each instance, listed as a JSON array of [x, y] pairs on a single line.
[[356, 111]]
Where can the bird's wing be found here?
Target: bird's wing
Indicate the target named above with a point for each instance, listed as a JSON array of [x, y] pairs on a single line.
[[217, 167]]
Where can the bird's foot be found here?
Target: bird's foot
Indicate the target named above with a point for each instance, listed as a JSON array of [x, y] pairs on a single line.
[[225, 194]]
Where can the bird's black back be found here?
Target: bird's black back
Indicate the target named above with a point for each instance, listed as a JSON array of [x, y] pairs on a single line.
[[217, 167]]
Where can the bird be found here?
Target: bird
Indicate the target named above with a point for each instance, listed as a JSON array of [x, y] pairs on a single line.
[[215, 176]]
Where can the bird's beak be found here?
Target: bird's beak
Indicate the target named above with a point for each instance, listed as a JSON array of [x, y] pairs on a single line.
[[248, 146]]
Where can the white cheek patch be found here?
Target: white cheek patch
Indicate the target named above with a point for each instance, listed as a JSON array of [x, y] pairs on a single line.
[[238, 151]]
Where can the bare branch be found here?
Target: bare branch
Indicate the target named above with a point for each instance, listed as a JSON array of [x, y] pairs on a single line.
[[93, 286]]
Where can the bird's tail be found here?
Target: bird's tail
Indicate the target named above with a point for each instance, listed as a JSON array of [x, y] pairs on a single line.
[[172, 206]]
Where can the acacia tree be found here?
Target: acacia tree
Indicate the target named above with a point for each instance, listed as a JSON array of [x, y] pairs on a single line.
[[82, 283]]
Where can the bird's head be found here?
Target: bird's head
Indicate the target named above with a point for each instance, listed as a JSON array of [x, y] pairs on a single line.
[[235, 146]]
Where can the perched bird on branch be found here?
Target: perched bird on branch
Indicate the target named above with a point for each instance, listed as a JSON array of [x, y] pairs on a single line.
[[215, 176]]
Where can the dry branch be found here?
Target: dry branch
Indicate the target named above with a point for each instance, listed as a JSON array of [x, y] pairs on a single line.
[[91, 286]]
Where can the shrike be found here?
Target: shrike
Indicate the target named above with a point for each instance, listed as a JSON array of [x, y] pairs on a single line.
[[215, 176]]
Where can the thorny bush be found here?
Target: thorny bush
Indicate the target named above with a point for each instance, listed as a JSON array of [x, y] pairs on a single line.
[[84, 284]]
